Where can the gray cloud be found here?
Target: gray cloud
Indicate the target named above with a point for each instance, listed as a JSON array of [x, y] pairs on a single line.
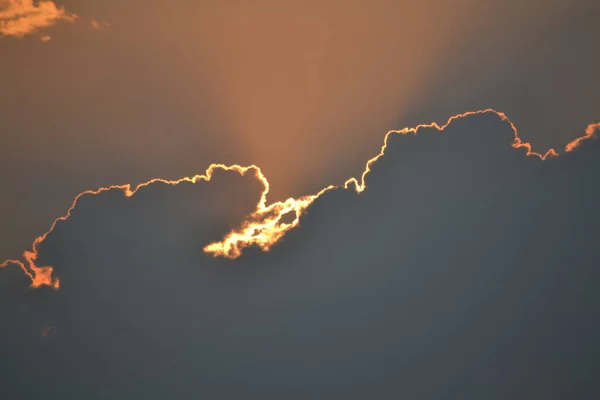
[[465, 270]]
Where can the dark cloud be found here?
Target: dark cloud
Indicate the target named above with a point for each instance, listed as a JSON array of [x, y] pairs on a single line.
[[464, 270]]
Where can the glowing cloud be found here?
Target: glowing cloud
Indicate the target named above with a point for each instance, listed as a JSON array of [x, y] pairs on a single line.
[[42, 276], [590, 133], [265, 227], [19, 18], [267, 224]]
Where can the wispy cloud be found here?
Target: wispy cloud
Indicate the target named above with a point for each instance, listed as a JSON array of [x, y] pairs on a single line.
[[19, 18], [99, 25]]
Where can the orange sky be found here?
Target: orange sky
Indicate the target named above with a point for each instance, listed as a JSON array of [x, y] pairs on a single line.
[[311, 86]]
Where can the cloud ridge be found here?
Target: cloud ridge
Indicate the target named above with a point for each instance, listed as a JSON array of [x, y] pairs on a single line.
[[265, 226]]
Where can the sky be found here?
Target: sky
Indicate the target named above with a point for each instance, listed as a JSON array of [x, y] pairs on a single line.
[[456, 264]]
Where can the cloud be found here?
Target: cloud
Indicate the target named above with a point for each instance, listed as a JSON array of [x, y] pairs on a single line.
[[42, 275], [97, 25], [268, 223], [463, 270], [19, 18]]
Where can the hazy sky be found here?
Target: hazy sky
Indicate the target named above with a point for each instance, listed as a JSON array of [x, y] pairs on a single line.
[[96, 93]]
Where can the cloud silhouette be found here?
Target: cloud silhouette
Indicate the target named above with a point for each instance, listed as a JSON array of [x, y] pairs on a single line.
[[464, 270], [267, 224]]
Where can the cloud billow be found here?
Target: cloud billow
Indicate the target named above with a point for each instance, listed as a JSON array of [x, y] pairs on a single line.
[[464, 270]]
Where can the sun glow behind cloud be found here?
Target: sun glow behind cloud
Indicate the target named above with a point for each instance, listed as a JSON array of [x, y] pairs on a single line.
[[265, 226], [275, 84], [296, 79], [470, 239], [295, 88]]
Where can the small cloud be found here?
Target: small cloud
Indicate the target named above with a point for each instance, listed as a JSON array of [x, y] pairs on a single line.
[[46, 38], [99, 25], [19, 18]]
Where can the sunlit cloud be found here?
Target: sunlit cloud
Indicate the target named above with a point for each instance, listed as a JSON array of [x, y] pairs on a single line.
[[19, 18]]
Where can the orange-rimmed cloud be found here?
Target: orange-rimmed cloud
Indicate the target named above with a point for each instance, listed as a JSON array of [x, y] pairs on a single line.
[[19, 18], [265, 226], [42, 275]]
